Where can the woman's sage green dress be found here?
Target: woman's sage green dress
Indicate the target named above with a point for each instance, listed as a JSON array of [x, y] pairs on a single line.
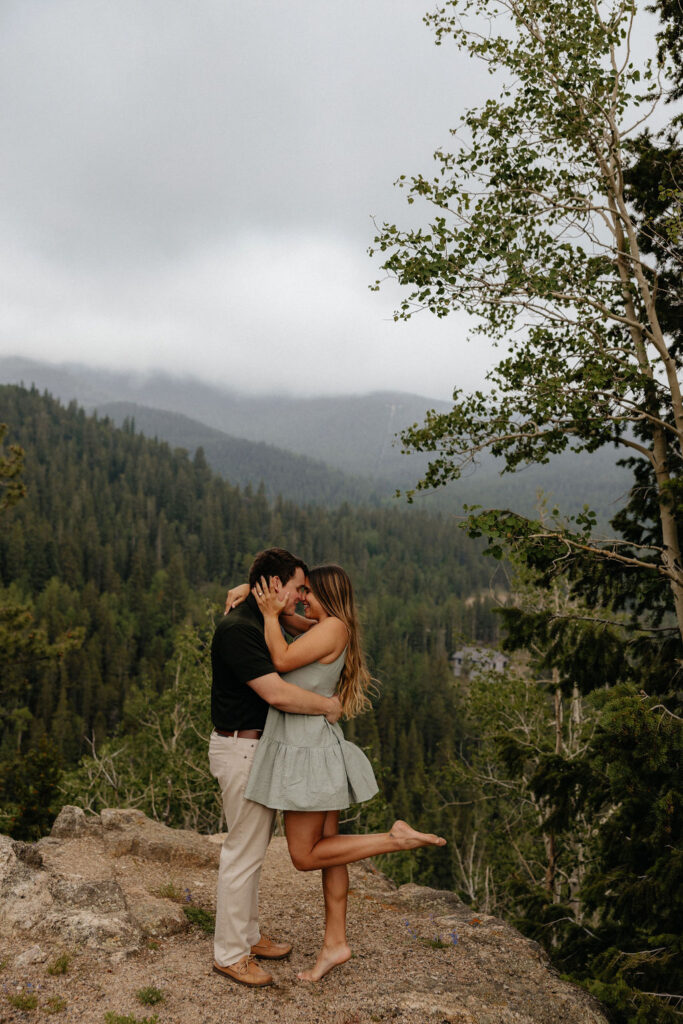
[[302, 763]]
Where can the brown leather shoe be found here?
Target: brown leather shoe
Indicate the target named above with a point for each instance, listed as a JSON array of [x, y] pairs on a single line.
[[246, 972], [269, 950]]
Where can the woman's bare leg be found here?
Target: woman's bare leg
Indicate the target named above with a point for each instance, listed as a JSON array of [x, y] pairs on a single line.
[[335, 949], [311, 850]]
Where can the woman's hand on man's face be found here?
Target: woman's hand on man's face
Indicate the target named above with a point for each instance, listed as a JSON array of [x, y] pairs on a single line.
[[268, 598]]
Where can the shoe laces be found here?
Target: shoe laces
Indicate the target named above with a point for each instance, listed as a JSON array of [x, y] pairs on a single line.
[[246, 963]]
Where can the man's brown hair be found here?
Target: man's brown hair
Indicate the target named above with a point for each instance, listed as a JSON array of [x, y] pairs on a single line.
[[275, 562]]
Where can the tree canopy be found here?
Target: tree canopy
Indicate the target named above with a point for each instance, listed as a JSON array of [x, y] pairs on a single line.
[[121, 545], [537, 232], [555, 220]]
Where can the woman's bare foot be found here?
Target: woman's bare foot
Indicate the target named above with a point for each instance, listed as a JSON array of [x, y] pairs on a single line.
[[409, 839], [327, 959]]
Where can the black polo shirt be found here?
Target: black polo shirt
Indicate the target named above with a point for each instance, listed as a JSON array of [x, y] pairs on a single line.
[[238, 654]]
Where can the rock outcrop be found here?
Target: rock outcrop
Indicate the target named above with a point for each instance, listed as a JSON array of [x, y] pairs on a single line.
[[68, 886], [109, 893]]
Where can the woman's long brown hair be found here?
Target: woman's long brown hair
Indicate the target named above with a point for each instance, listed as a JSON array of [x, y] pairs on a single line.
[[332, 586]]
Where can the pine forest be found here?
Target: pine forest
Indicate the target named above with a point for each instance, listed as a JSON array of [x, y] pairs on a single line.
[[508, 717]]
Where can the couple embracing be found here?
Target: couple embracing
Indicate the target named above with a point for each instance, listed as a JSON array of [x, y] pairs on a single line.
[[277, 745]]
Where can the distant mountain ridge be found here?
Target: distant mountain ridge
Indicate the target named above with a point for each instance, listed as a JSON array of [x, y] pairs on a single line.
[[353, 435], [242, 462]]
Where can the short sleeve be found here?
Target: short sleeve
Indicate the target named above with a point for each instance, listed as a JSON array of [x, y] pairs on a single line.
[[244, 649]]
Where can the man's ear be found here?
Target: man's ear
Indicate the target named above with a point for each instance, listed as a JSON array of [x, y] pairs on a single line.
[[276, 582]]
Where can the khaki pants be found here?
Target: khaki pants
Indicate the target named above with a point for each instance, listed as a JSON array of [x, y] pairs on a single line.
[[250, 827]]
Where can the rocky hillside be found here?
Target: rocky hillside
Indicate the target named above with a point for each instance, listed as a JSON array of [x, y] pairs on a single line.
[[100, 911]]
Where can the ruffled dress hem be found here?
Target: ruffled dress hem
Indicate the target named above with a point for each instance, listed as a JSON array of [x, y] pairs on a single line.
[[301, 778]]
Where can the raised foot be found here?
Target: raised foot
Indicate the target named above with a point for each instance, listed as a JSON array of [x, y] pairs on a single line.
[[409, 839], [327, 959]]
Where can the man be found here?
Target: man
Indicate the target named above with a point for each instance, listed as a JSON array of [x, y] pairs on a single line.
[[245, 683]]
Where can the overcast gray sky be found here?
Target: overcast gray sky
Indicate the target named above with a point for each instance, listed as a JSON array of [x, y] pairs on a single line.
[[189, 184]]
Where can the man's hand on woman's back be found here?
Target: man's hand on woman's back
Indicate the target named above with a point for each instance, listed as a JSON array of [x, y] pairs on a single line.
[[335, 712]]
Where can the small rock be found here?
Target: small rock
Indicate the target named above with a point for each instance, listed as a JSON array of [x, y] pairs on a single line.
[[104, 896], [119, 817], [156, 917], [34, 955], [218, 838], [70, 822], [27, 853], [138, 836], [441, 900]]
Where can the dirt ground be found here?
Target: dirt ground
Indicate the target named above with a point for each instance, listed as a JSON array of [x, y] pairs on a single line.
[[489, 975]]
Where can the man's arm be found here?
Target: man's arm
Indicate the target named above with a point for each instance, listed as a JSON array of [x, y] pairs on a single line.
[[287, 697]]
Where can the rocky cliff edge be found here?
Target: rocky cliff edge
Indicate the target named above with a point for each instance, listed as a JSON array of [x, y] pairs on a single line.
[[101, 910]]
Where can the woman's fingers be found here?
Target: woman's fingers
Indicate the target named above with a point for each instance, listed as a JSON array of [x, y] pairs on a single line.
[[268, 598], [264, 588]]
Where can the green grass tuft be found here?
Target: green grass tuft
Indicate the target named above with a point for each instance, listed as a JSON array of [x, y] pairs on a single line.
[[60, 965], [118, 1018], [150, 995], [55, 1004], [169, 891], [201, 919], [24, 1000], [437, 944]]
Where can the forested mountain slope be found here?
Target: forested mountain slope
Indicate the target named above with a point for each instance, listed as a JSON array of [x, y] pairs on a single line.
[[113, 571], [282, 473], [354, 434], [120, 541]]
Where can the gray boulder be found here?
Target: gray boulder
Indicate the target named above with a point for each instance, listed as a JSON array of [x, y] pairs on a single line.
[[69, 886], [130, 833], [71, 821]]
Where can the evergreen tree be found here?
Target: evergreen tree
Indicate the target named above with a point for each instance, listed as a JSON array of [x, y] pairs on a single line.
[[122, 543]]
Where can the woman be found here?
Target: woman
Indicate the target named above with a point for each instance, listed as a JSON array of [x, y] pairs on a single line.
[[304, 766]]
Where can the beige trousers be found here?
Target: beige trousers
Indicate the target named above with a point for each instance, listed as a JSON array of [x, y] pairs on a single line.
[[250, 827]]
